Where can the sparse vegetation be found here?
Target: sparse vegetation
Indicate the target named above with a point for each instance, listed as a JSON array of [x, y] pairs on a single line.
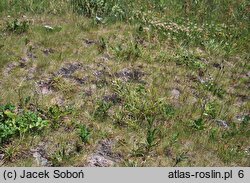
[[124, 83]]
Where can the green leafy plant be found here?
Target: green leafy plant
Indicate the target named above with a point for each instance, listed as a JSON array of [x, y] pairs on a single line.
[[30, 121], [168, 110], [7, 123], [211, 110], [102, 45], [17, 26], [56, 113], [89, 8], [100, 9], [232, 132], [175, 137], [151, 134], [213, 135], [181, 157], [189, 59], [101, 111], [198, 124], [13, 123], [130, 51], [84, 133], [214, 88], [245, 121]]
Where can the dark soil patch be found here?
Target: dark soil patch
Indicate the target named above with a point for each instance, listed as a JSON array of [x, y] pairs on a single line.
[[80, 80], [114, 98], [23, 62], [89, 42], [130, 74], [10, 67], [40, 156], [217, 65], [88, 92], [31, 73], [48, 51], [69, 69], [45, 87], [31, 55], [104, 155]]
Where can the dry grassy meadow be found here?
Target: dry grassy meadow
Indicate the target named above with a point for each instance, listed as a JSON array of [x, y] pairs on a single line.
[[124, 83]]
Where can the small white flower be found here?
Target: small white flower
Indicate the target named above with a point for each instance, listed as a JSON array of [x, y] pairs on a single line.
[[98, 18], [48, 27]]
